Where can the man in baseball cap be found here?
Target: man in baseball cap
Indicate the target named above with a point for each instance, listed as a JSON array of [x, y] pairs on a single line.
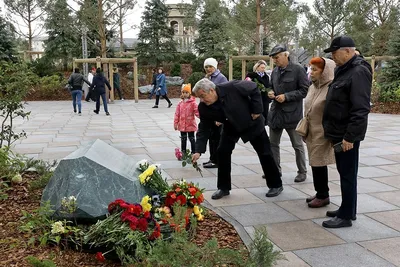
[[340, 42]]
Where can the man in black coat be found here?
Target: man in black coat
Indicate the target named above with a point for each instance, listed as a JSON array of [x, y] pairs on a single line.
[[290, 85], [345, 122], [99, 85], [238, 106]]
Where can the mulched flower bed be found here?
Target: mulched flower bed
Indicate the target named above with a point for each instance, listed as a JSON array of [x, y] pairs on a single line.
[[14, 247], [386, 107]]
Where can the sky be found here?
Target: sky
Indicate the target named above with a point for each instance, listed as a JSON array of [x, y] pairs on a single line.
[[131, 28]]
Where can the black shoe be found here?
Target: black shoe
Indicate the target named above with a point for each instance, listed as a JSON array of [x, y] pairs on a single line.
[[220, 194], [273, 192], [95, 111], [155, 106], [337, 223], [205, 163], [107, 113], [263, 176], [333, 213], [309, 199], [74, 110], [210, 165], [170, 104]]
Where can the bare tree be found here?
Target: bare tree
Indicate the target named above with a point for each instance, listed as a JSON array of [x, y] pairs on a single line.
[[31, 12]]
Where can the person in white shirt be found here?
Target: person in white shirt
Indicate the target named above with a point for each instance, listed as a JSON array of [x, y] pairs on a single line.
[[90, 79]]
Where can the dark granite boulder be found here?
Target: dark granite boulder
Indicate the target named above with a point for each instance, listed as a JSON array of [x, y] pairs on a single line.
[[95, 175]]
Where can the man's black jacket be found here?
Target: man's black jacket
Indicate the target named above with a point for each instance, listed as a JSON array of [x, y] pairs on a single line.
[[237, 100], [348, 102]]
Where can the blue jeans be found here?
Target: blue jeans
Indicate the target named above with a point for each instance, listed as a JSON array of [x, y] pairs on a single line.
[[103, 96], [76, 99]]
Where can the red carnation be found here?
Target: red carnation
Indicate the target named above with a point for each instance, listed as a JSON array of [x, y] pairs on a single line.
[[147, 215], [133, 225], [124, 205], [142, 224], [111, 207], [200, 199], [192, 191], [181, 199], [100, 257]]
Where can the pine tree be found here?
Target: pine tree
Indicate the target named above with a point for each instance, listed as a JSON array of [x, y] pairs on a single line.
[[156, 42], [63, 41], [6, 41], [213, 39], [390, 76]]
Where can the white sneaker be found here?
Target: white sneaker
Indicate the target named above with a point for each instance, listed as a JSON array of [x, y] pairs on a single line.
[[122, 99]]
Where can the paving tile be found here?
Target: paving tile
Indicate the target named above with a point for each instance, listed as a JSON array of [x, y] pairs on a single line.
[[395, 157], [187, 172], [348, 255], [387, 249], [392, 197], [300, 209], [236, 197], [364, 228], [308, 189], [259, 214], [290, 260], [242, 160], [375, 161], [244, 181], [367, 203], [206, 183], [300, 235], [389, 218], [376, 151], [370, 186], [391, 168], [288, 193], [392, 180], [373, 172], [254, 167]]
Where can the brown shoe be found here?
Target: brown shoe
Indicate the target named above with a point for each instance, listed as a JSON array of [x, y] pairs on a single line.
[[319, 203], [309, 199]]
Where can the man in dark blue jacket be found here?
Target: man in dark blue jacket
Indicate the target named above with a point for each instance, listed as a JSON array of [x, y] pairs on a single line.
[[345, 122], [237, 105], [99, 88]]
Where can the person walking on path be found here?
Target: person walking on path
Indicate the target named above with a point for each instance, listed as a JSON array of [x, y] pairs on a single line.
[[214, 75], [320, 150], [289, 87], [345, 122], [117, 83], [90, 79], [99, 85], [76, 81], [161, 88], [184, 120], [239, 106]]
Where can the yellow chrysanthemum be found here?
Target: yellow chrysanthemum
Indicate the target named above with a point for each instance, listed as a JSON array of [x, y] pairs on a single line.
[[200, 217], [142, 178], [196, 210], [151, 169], [145, 203]]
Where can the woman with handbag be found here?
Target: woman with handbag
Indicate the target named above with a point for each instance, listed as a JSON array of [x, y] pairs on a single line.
[[320, 151]]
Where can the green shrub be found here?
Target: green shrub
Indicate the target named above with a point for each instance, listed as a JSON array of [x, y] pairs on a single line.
[[41, 182], [43, 67], [176, 70], [195, 77], [187, 57], [35, 262], [50, 85]]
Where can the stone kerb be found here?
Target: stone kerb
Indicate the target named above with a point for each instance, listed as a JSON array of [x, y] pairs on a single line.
[[95, 175]]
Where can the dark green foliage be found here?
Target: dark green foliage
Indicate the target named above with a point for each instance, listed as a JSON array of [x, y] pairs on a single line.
[[195, 77], [7, 41], [187, 57], [389, 79], [213, 38], [43, 66], [176, 70], [156, 42], [63, 41]]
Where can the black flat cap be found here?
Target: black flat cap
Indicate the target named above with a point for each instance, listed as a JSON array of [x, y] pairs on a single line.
[[338, 42], [277, 49]]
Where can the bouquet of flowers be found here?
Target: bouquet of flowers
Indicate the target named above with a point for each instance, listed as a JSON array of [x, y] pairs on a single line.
[[260, 86], [186, 158], [186, 194], [151, 177]]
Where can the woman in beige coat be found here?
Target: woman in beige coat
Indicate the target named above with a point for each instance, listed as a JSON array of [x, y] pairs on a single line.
[[320, 151]]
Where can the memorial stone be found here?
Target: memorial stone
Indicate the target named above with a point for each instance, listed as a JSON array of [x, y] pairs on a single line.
[[95, 175]]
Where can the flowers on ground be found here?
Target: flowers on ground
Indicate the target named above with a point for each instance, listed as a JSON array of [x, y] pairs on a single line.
[[152, 178], [184, 193], [142, 165], [146, 203], [100, 257], [57, 228], [69, 204]]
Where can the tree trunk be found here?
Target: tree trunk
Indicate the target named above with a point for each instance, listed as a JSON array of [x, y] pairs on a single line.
[[258, 39], [121, 38], [29, 33]]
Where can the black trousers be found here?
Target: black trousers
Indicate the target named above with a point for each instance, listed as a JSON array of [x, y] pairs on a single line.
[[164, 96], [119, 92], [261, 145], [347, 166], [320, 178], [184, 136], [214, 142]]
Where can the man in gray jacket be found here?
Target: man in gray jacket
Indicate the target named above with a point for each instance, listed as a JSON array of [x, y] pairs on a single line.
[[290, 85], [76, 81]]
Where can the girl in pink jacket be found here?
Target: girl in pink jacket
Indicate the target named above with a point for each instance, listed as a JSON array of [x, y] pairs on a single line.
[[184, 120]]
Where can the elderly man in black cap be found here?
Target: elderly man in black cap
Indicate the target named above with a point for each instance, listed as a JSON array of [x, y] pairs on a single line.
[[290, 85], [238, 105], [345, 122]]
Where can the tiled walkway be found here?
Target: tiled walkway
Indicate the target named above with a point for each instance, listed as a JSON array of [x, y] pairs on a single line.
[[142, 132]]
